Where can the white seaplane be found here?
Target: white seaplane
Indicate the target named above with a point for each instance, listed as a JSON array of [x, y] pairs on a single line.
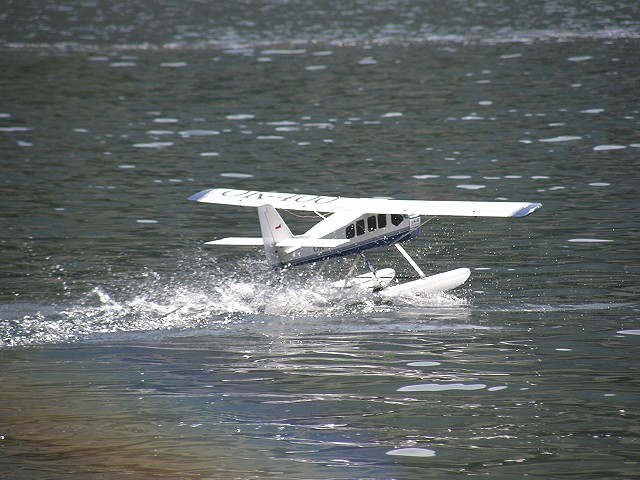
[[350, 226]]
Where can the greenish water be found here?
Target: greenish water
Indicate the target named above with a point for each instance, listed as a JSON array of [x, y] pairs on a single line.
[[128, 348]]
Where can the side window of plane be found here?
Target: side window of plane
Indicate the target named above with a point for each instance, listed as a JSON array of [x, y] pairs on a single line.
[[360, 227], [371, 223], [396, 219], [382, 220], [351, 231]]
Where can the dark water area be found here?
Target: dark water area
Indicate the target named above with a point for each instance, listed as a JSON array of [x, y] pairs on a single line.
[[128, 348]]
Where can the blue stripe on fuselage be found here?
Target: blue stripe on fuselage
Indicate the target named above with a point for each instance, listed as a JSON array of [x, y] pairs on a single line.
[[351, 249]]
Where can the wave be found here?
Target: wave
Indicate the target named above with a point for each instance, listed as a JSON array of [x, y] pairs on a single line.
[[218, 300]]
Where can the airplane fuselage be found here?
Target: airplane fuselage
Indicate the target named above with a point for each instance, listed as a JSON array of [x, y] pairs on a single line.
[[363, 232]]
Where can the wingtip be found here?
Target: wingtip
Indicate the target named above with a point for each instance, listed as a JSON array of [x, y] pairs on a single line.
[[196, 197], [528, 209]]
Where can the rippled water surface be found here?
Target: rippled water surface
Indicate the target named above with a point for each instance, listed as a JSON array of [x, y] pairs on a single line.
[[128, 348]]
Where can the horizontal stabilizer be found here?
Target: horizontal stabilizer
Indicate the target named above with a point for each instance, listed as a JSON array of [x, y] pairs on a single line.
[[321, 203], [312, 242], [289, 242], [240, 241]]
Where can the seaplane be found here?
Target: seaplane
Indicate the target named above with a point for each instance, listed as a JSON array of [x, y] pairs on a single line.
[[351, 226]]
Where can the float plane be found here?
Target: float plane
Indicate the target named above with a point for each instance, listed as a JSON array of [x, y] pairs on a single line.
[[351, 226]]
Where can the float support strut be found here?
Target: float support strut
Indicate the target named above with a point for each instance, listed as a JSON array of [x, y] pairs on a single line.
[[410, 260]]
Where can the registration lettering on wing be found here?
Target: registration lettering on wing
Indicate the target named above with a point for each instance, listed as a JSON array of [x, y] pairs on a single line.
[[280, 197]]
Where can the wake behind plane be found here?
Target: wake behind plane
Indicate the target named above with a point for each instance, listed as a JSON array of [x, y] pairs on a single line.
[[351, 226]]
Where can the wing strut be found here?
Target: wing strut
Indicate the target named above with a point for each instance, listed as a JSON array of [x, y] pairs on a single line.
[[410, 260]]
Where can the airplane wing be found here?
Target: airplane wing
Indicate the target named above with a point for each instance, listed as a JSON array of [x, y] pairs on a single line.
[[320, 203]]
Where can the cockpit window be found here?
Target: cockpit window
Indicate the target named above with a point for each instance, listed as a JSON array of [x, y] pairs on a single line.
[[351, 231], [372, 223]]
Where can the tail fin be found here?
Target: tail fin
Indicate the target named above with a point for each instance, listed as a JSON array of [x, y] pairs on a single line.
[[274, 230]]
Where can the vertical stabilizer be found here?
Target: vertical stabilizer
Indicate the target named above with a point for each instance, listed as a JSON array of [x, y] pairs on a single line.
[[274, 230]]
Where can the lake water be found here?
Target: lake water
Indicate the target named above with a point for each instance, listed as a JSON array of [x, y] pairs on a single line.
[[128, 348]]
